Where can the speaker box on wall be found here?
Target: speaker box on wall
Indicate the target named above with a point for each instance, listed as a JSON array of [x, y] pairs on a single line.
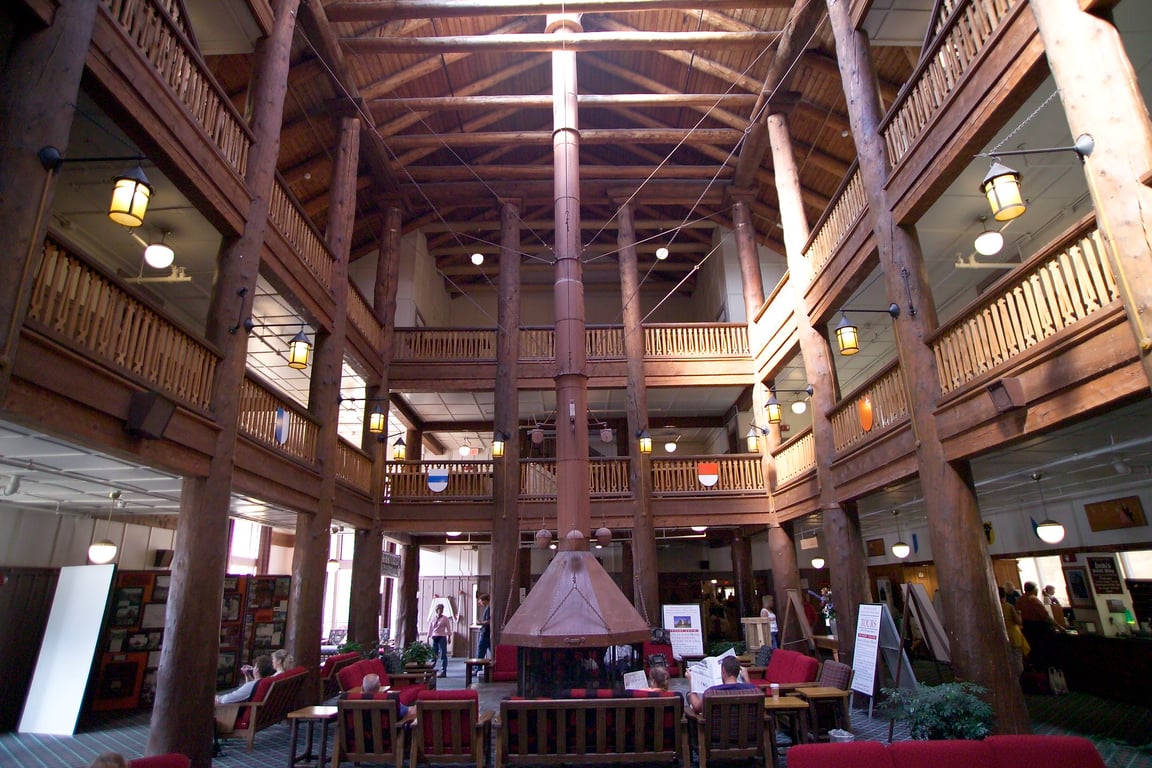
[[162, 558], [705, 565], [149, 414]]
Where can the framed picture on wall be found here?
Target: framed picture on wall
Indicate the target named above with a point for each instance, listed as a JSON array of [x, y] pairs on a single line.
[[1079, 593]]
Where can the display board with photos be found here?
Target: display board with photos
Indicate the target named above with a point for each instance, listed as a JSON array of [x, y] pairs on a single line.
[[253, 617]]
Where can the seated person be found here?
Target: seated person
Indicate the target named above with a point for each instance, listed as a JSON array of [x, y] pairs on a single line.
[[658, 678], [252, 674], [282, 661], [734, 680], [370, 689], [109, 760]]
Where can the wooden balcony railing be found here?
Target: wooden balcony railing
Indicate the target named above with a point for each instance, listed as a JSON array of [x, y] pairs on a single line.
[[285, 213], [795, 457], [353, 466], [961, 33], [362, 318], [1058, 287], [89, 312], [276, 421], [883, 401], [839, 218], [739, 475], [602, 342], [160, 35], [466, 480]]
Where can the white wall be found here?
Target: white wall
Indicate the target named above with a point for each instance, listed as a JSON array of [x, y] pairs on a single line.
[[35, 539]]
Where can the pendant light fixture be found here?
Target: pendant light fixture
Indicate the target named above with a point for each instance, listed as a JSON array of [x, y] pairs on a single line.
[[104, 551], [1049, 530], [159, 255], [298, 349], [817, 562], [988, 242], [900, 549], [398, 450]]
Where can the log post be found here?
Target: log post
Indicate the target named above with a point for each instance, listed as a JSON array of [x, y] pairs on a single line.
[[183, 713], [645, 573], [968, 585], [506, 479]]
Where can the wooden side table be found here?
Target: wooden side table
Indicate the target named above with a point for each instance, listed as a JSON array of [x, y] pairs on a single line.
[[482, 667], [822, 694], [310, 716], [785, 705]]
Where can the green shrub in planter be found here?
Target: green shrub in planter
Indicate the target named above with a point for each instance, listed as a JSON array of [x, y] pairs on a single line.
[[418, 652], [945, 711]]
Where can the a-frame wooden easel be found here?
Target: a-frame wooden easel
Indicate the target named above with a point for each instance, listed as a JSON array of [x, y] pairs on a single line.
[[794, 608]]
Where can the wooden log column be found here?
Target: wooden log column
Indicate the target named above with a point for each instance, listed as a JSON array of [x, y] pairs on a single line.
[[965, 569], [742, 574], [407, 611], [38, 92], [1102, 98], [313, 532], [364, 603], [785, 576], [645, 572], [506, 479], [842, 539], [182, 716]]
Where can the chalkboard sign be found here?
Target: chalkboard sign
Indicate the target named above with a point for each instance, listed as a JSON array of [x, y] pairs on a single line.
[[1105, 577]]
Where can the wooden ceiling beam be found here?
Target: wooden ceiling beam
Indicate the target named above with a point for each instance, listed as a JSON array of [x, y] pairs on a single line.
[[584, 42], [465, 227], [721, 136], [671, 100], [391, 10], [587, 171]]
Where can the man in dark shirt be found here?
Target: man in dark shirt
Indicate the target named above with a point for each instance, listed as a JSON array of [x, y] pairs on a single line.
[[732, 675]]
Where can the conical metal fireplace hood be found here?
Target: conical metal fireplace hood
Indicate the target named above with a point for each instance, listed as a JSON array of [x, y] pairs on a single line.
[[575, 604]]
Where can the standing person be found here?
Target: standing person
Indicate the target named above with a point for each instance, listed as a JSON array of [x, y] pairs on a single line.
[[1016, 640], [1049, 599], [439, 629], [768, 602], [485, 643], [1011, 594], [1038, 627]]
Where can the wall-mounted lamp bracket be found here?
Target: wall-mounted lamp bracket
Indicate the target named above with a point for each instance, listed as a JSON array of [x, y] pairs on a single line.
[[241, 321]]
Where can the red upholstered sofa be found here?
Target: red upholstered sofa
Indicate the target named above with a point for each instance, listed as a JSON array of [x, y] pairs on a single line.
[[993, 752], [785, 668], [329, 685], [504, 664]]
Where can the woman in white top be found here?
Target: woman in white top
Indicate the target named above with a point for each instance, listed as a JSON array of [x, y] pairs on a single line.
[[767, 613]]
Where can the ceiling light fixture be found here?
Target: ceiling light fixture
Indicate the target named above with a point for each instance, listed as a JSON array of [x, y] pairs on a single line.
[[333, 565], [699, 528], [477, 258], [775, 410], [159, 255], [103, 551], [661, 253], [799, 407], [988, 242], [1048, 530], [817, 562], [900, 549]]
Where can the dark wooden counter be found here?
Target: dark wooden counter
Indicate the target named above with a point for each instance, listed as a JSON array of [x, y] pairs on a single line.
[[1114, 668]]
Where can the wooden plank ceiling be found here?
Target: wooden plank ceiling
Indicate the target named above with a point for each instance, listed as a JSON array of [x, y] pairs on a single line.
[[459, 98]]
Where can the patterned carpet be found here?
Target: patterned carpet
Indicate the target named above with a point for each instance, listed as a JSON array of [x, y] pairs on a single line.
[[1122, 733]]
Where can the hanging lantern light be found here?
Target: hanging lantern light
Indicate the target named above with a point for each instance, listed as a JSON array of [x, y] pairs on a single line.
[[130, 195], [1001, 186], [847, 336], [298, 349], [398, 450], [645, 441], [377, 421], [773, 406]]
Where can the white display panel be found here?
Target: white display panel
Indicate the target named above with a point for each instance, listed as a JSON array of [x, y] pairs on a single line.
[[61, 677]]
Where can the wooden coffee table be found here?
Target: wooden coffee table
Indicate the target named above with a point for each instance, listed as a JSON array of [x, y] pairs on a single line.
[[820, 694], [483, 666], [310, 716], [785, 705]]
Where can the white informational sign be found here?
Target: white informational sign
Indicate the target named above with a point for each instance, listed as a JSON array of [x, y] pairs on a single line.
[[66, 654], [636, 681], [866, 649], [877, 638], [685, 629]]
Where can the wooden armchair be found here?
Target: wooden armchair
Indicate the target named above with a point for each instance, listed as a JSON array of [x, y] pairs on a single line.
[[370, 731], [731, 727], [451, 729], [329, 683]]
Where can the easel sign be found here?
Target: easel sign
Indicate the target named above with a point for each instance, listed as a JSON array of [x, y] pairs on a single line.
[[877, 638], [685, 629], [920, 609], [794, 608]]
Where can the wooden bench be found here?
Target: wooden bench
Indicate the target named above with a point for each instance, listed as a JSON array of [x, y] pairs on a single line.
[[270, 704], [605, 731]]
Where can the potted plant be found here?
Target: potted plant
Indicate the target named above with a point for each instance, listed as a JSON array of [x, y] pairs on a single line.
[[418, 654], [945, 711]]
